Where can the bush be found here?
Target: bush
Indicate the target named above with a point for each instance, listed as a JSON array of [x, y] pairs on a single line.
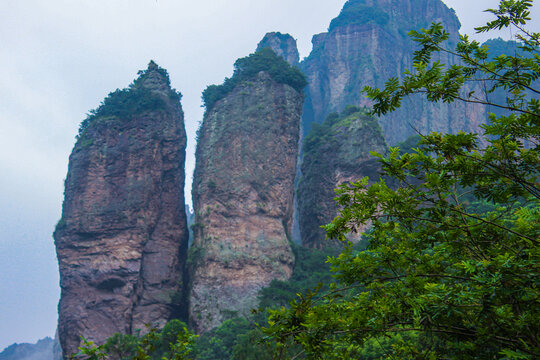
[[132, 100], [248, 67], [358, 13]]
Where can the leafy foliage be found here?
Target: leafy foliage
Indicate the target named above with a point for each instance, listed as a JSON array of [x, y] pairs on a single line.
[[133, 100], [411, 143], [173, 342], [247, 67], [441, 277], [218, 344]]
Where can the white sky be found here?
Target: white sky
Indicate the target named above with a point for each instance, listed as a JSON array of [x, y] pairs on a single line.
[[60, 58]]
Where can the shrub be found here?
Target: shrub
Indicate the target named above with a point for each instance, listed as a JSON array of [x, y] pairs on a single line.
[[132, 100], [248, 67]]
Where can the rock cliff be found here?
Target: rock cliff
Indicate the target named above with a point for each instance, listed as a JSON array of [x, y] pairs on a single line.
[[243, 189], [336, 151], [366, 45], [283, 45], [122, 239]]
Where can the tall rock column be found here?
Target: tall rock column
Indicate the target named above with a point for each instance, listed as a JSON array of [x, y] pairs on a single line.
[[243, 189], [122, 239]]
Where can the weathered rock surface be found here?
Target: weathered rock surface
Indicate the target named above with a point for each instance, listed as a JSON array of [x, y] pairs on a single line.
[[366, 45], [122, 240], [283, 45], [335, 152], [243, 196]]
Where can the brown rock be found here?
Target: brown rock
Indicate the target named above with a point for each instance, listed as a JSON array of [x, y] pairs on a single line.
[[122, 239], [243, 195]]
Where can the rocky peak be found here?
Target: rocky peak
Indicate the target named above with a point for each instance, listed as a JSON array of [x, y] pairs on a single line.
[[122, 239], [243, 188], [154, 78], [283, 45]]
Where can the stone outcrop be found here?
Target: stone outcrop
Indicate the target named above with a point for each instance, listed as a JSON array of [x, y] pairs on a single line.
[[283, 45], [335, 152], [366, 45], [122, 239], [243, 195]]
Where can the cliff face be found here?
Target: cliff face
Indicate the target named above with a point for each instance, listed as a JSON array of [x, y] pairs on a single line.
[[122, 240], [242, 195], [283, 45], [335, 152], [366, 45]]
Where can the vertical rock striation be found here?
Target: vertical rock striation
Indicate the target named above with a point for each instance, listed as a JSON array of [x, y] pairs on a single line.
[[122, 240], [243, 190], [284, 45], [366, 45], [335, 152]]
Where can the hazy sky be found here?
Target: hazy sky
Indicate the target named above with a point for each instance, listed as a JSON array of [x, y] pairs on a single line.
[[60, 58]]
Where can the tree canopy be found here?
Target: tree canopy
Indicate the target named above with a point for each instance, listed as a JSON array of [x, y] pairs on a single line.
[[451, 269]]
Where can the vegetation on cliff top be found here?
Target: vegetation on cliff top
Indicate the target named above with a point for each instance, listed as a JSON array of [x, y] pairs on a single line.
[[334, 124], [357, 12], [246, 68], [133, 100], [441, 277]]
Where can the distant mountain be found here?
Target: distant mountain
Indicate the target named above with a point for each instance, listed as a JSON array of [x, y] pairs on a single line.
[[42, 350], [367, 44]]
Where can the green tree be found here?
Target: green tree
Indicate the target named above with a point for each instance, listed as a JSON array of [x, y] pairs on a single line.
[[442, 277], [122, 346], [173, 342]]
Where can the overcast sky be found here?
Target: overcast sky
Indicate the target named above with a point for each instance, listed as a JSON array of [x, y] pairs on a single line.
[[60, 58]]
